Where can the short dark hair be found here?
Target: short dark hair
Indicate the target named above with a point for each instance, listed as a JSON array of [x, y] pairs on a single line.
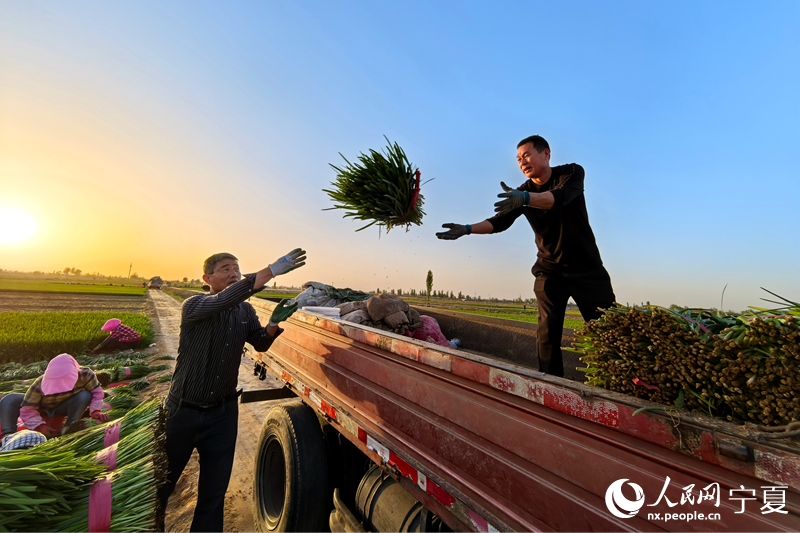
[[211, 263], [538, 141]]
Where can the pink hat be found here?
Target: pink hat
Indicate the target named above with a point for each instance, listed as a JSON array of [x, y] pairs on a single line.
[[61, 374], [111, 324]]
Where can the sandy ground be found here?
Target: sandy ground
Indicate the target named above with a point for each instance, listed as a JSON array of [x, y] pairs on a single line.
[[165, 315]]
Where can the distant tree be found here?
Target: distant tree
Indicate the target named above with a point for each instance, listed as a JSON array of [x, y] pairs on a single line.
[[468, 297], [429, 284], [76, 272], [392, 291], [135, 276], [67, 271], [452, 296], [275, 285], [460, 296]]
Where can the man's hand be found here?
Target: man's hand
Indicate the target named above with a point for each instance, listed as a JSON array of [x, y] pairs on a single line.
[[294, 259], [513, 199], [455, 231], [100, 416], [282, 312]]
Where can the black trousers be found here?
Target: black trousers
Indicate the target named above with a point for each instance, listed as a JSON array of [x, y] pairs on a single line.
[[213, 433], [590, 290]]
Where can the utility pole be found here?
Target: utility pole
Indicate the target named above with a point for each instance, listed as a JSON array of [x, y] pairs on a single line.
[[129, 271]]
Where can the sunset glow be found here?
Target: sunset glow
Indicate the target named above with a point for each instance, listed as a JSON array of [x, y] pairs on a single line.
[[15, 225]]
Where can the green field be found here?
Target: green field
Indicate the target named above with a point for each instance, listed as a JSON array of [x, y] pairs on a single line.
[[59, 286], [274, 295], [568, 323], [31, 336]]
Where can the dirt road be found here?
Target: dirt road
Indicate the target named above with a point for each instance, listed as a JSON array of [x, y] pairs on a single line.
[[165, 314]]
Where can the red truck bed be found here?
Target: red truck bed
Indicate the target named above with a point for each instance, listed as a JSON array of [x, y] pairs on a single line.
[[489, 445]]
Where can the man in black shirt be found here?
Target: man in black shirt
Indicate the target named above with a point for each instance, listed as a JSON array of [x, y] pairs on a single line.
[[568, 262], [202, 408]]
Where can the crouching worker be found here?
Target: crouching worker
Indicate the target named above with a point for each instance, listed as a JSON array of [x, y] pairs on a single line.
[[55, 400], [202, 405], [121, 337]]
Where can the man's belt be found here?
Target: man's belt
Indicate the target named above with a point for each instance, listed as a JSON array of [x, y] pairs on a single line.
[[180, 402]]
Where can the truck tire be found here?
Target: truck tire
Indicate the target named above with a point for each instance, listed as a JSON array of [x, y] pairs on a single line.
[[290, 487]]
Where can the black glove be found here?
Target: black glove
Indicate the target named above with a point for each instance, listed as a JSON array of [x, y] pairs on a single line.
[[455, 231], [513, 199]]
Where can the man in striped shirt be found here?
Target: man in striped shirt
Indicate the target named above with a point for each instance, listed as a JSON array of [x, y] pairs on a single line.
[[202, 408]]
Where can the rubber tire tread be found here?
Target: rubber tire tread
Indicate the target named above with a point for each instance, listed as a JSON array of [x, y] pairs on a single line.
[[305, 507]]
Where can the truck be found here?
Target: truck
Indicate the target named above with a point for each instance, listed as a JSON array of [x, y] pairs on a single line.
[[155, 282], [388, 433]]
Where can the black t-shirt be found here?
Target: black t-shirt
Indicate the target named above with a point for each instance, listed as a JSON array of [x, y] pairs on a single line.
[[563, 235]]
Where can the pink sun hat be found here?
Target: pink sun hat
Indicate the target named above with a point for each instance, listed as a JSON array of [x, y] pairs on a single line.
[[61, 375], [111, 324]]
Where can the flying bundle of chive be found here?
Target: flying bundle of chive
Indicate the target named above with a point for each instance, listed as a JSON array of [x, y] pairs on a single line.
[[742, 369], [383, 188]]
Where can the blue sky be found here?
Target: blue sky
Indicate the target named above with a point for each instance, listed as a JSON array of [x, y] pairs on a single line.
[[683, 114]]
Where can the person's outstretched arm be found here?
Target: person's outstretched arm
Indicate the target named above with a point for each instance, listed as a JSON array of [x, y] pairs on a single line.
[[206, 305], [457, 230]]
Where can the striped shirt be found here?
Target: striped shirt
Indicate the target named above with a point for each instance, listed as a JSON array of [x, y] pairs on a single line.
[[125, 334], [214, 328]]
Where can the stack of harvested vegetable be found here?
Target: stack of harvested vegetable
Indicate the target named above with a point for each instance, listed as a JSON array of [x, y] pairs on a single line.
[[743, 369], [59, 485], [383, 189], [17, 372]]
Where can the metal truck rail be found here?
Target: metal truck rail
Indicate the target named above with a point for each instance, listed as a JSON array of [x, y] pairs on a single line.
[[487, 445]]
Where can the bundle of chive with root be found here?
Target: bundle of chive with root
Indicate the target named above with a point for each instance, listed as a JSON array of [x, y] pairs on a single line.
[[743, 369], [147, 415], [383, 188]]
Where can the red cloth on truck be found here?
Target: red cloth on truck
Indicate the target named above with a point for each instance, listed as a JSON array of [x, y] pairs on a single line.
[[429, 332]]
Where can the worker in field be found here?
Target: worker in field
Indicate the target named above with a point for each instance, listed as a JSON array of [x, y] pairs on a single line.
[[202, 408], [120, 337], [55, 400], [568, 262]]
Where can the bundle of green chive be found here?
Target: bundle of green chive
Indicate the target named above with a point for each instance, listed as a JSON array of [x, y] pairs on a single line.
[[742, 369], [46, 488], [382, 188]]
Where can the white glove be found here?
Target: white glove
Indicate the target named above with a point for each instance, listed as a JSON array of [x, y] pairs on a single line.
[[294, 259]]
